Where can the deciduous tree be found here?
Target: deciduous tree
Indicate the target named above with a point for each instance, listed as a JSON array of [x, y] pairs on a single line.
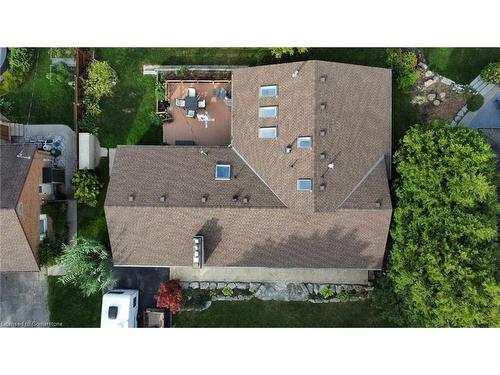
[[170, 296]]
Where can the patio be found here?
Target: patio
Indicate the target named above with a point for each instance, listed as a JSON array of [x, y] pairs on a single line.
[[209, 126]]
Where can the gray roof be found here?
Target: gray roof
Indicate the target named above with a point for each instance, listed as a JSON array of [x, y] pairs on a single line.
[[13, 171]]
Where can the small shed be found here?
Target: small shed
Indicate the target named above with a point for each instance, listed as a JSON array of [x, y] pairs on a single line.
[[89, 151]]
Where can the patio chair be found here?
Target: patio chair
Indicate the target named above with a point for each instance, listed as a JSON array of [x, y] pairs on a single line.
[[201, 103], [180, 103], [192, 92], [190, 113]]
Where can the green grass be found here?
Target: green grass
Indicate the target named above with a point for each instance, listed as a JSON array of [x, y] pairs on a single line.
[[67, 305], [91, 220], [51, 103], [256, 313], [460, 64]]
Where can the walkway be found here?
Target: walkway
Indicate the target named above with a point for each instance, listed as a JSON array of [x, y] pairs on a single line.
[[289, 275], [23, 299]]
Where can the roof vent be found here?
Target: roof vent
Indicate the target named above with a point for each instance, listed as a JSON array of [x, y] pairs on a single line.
[[322, 106], [163, 197], [288, 149], [246, 199], [322, 187], [131, 197], [204, 198], [322, 155], [235, 198], [322, 132], [331, 165], [323, 78], [295, 73], [203, 152], [378, 203]]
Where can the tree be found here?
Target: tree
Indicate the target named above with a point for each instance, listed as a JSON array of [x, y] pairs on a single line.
[[441, 269], [86, 265], [100, 81], [87, 187], [20, 59], [170, 296], [280, 52], [491, 73]]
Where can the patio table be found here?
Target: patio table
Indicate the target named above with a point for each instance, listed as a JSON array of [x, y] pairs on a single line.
[[191, 103]]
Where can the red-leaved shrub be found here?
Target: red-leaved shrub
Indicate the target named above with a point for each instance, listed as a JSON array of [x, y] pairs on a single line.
[[170, 296]]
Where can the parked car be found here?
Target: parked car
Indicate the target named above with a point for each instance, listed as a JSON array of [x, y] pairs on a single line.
[[120, 308]]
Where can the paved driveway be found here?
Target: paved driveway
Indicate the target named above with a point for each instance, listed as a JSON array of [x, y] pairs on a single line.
[[146, 279], [23, 299]]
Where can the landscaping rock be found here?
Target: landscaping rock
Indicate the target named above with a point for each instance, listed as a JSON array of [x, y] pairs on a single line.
[[241, 297], [436, 102], [442, 95], [184, 284], [422, 65], [253, 287], [221, 285], [242, 285], [231, 285], [282, 292], [338, 288], [316, 288], [310, 288], [358, 288], [194, 285], [428, 82], [431, 97], [204, 285], [334, 300], [446, 81], [322, 287], [213, 286], [428, 74]]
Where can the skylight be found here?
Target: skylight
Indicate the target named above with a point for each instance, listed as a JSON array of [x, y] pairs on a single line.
[[270, 132], [268, 112], [304, 184], [271, 90], [304, 142], [222, 172]]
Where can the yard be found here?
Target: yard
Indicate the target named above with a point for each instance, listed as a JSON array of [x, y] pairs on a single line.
[[67, 305], [256, 313]]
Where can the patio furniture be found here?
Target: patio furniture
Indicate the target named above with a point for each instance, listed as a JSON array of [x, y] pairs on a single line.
[[190, 113], [191, 103], [201, 103], [191, 92], [181, 103], [205, 118], [154, 318]]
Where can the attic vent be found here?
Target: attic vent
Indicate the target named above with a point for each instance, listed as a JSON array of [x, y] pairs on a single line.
[[204, 198], [246, 199], [322, 106], [378, 203], [322, 132], [131, 197], [323, 78], [322, 187], [235, 198], [163, 198], [322, 155]]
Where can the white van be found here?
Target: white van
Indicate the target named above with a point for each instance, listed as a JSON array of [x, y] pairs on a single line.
[[120, 308]]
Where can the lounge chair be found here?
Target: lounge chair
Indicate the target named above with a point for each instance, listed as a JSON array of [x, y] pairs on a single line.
[[192, 92], [180, 103], [201, 103], [190, 113]]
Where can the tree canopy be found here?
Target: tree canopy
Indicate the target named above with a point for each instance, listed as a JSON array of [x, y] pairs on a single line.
[[441, 269], [87, 187]]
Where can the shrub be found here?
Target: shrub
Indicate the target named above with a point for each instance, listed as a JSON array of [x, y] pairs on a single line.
[[89, 124], [20, 60], [100, 81], [87, 187], [160, 90], [92, 108], [59, 73], [63, 52], [408, 80], [155, 119], [170, 296], [86, 265], [278, 53], [182, 71], [475, 102], [227, 291], [403, 64], [213, 293], [409, 61], [491, 73], [5, 106], [345, 294], [48, 252], [441, 268], [327, 293]]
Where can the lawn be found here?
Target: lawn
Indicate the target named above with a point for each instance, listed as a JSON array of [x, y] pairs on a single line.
[[51, 103], [460, 64], [67, 305], [256, 313]]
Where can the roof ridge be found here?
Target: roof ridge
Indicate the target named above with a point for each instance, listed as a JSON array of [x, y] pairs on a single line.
[[255, 172], [365, 177]]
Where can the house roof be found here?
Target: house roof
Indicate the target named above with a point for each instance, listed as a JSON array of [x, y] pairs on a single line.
[[356, 118], [344, 225], [13, 171]]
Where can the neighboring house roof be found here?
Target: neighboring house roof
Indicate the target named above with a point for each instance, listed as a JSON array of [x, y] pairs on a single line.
[[13, 171], [344, 225], [16, 253]]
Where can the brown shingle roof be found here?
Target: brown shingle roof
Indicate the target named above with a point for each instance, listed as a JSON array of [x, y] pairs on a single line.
[[340, 227], [13, 171]]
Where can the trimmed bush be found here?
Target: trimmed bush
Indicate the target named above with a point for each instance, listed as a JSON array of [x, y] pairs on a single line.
[[327, 293], [475, 102], [227, 292], [491, 73]]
